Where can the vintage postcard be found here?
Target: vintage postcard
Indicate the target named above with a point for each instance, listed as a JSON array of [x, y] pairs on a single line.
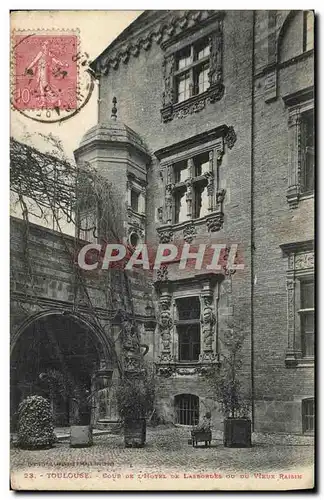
[[162, 250]]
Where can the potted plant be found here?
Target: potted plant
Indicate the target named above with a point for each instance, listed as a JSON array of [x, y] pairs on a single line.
[[234, 402], [135, 397]]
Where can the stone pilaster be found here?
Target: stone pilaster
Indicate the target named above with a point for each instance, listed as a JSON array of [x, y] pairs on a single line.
[[294, 165], [208, 321], [165, 327]]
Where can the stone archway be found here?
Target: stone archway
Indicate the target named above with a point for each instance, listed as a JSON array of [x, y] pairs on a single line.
[[64, 344]]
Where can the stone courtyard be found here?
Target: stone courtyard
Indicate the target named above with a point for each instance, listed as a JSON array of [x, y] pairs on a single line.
[[167, 449]]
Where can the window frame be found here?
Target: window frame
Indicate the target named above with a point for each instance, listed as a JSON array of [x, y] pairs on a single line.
[[302, 313], [196, 182], [212, 31], [300, 257], [191, 69], [187, 323], [179, 410], [298, 104], [310, 416], [303, 152], [137, 194]]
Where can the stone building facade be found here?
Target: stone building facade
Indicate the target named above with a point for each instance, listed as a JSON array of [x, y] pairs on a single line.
[[215, 110], [211, 141]]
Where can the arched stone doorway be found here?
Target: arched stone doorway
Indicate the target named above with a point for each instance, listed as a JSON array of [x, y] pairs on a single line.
[[63, 345]]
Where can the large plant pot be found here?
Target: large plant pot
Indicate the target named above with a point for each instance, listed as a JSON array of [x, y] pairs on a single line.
[[237, 433], [81, 436], [134, 432]]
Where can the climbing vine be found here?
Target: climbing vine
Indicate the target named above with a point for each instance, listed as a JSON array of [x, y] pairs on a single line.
[[52, 188]]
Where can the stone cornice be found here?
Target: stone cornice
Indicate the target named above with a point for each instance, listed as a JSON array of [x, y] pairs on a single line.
[[299, 97], [298, 246], [191, 142], [170, 27]]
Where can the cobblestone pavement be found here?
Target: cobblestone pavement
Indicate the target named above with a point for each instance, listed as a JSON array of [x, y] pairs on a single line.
[[168, 449]]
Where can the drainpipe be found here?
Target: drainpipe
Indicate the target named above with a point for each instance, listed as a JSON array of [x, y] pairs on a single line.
[[252, 226]]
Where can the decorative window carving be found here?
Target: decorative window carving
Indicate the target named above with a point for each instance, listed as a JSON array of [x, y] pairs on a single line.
[[188, 328], [192, 73], [301, 309], [301, 150], [191, 182]]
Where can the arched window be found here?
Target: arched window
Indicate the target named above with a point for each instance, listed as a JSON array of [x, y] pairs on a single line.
[[187, 409]]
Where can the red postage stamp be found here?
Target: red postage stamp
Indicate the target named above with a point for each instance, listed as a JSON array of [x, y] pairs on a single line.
[[45, 71]]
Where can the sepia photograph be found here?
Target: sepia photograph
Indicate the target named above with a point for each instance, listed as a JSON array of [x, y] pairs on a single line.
[[162, 297]]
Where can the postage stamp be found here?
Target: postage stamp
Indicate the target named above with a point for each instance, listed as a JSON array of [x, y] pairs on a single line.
[[50, 81]]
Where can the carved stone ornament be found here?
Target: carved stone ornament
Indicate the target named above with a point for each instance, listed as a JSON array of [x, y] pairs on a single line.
[[162, 274], [168, 69], [208, 321], [165, 323], [160, 214], [189, 233], [220, 196], [130, 338], [215, 222], [188, 109], [304, 261], [186, 370], [193, 105], [168, 200], [166, 357], [165, 371], [215, 58], [208, 357], [165, 235], [230, 137], [204, 369]]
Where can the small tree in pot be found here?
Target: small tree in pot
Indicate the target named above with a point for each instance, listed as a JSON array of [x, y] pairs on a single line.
[[235, 404], [135, 400]]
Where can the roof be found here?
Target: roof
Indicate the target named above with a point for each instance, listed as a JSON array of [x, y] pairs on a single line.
[[135, 27]]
